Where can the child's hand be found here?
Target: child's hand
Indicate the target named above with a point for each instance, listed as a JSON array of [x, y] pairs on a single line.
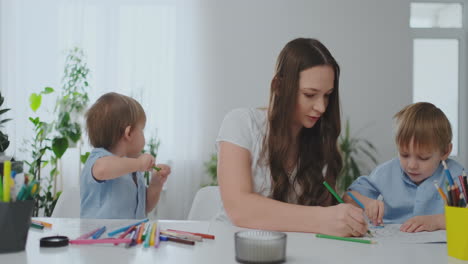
[[160, 177], [423, 223], [146, 162], [374, 211]]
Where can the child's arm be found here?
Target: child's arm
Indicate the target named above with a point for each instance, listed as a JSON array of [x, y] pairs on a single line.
[[111, 167], [153, 192], [424, 223], [374, 208]]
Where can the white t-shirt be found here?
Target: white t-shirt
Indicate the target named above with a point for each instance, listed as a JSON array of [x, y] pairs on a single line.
[[246, 127]]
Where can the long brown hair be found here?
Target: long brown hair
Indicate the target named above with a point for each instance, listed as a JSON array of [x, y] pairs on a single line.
[[317, 146]]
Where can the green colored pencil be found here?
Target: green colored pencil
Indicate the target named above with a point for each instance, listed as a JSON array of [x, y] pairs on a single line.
[[330, 189], [156, 168], [350, 239]]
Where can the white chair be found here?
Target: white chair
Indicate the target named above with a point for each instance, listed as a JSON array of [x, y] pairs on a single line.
[[206, 204], [68, 204]]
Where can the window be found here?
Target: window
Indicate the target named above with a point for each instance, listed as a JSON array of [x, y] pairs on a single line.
[[439, 61]]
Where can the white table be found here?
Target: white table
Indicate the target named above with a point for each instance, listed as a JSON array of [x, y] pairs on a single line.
[[301, 247]]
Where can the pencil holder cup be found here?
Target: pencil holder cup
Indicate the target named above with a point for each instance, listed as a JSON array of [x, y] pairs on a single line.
[[456, 219], [256, 246], [15, 220]]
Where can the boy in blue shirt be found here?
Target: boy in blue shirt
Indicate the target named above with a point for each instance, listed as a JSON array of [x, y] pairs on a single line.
[[406, 183], [112, 183]]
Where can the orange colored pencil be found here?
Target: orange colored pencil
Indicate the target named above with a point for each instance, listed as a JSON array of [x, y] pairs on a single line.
[[140, 233], [442, 194], [45, 224]]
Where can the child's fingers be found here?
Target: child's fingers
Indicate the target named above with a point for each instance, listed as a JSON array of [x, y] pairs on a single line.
[[420, 229], [380, 213]]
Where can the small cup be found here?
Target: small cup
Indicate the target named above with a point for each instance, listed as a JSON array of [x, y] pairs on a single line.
[[456, 219], [256, 246], [15, 220]]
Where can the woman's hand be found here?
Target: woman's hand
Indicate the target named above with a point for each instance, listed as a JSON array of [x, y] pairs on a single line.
[[344, 220]]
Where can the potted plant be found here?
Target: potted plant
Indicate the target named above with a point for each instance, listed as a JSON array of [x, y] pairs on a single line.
[[211, 167], [353, 151]]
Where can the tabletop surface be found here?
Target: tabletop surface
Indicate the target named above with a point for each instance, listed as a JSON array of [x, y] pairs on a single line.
[[301, 247]]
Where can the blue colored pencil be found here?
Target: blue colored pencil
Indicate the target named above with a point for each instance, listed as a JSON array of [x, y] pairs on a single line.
[[356, 200], [447, 173], [99, 233], [125, 228]]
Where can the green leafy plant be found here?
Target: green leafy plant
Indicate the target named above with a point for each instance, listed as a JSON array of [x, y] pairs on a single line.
[[354, 152], [72, 101], [211, 167], [40, 148], [152, 148], [4, 142], [52, 140]]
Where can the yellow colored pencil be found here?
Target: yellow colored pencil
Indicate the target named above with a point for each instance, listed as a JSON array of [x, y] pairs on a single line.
[[153, 231]]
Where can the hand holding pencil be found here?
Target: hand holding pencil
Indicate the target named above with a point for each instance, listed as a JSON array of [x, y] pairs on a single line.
[[374, 209]]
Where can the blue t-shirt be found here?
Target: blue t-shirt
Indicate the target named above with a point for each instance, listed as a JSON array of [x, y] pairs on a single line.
[[403, 198], [119, 198]]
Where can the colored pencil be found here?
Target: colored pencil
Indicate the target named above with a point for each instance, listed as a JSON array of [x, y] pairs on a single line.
[[99, 233], [123, 229], [88, 235], [441, 193], [140, 233], [100, 241], [146, 243], [350, 239], [180, 240], [133, 236], [37, 225], [124, 234], [195, 234], [45, 224], [447, 173], [183, 236], [330, 189], [153, 233], [157, 238]]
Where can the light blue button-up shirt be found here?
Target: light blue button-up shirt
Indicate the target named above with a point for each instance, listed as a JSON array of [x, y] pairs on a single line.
[[119, 198], [403, 198]]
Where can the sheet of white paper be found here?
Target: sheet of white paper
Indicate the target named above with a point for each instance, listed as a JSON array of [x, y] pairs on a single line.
[[391, 234]]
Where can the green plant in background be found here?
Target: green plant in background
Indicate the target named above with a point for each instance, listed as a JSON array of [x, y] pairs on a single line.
[[211, 167], [40, 147], [52, 140], [152, 148], [4, 142], [69, 106], [353, 151], [72, 101]]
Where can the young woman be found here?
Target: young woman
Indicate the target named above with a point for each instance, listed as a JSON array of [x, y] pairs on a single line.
[[272, 162]]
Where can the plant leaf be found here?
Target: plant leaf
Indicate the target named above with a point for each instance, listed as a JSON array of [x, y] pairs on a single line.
[[35, 101], [59, 146], [48, 90]]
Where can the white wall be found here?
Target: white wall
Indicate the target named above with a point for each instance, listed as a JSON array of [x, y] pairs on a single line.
[[370, 39]]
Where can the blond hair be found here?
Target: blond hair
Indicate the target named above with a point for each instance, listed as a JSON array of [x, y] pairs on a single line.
[[425, 126], [107, 119]]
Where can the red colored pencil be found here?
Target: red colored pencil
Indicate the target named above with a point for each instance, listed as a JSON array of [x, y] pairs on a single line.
[[195, 234]]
